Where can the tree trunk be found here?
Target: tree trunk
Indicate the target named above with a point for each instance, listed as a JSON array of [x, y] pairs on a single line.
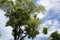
[[15, 35]]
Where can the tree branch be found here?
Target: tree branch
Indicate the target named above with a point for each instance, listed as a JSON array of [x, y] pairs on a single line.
[[23, 37]]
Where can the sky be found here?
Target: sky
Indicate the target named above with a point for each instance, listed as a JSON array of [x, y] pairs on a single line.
[[50, 19]]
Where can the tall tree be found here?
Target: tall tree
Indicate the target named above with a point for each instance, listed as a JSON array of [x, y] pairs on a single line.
[[21, 13]]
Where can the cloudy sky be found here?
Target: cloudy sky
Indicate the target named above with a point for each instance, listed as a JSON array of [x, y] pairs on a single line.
[[50, 19]]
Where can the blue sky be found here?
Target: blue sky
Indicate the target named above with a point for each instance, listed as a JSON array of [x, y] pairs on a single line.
[[50, 19]]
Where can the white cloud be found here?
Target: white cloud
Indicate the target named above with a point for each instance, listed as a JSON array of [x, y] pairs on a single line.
[[5, 31], [49, 3], [53, 25], [48, 22], [41, 15]]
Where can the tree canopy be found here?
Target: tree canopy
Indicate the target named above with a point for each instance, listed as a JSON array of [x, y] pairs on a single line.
[[55, 36], [45, 30], [22, 13]]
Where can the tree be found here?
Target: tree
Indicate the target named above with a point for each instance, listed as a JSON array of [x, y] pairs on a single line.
[[45, 30], [22, 13], [55, 36]]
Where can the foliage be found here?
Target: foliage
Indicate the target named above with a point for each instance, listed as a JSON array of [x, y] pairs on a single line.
[[19, 14], [45, 30], [55, 36]]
